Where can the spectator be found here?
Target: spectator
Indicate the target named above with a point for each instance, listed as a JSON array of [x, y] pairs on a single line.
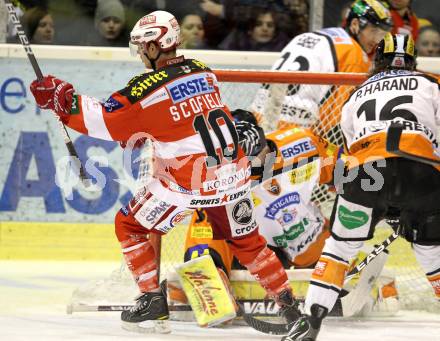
[[428, 44], [344, 13], [405, 20], [428, 10], [299, 12], [109, 25], [220, 15], [259, 34], [192, 32], [216, 22], [38, 25], [74, 20], [135, 9]]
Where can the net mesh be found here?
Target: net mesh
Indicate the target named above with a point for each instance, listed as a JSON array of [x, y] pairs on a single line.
[[317, 107], [415, 292]]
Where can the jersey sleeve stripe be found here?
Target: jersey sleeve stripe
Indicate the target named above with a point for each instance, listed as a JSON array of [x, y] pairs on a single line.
[[94, 119]]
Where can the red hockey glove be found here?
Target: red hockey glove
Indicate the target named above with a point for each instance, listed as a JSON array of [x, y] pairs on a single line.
[[55, 94]]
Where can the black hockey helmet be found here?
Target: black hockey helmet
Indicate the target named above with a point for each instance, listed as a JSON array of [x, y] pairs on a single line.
[[244, 115], [370, 11], [395, 51]]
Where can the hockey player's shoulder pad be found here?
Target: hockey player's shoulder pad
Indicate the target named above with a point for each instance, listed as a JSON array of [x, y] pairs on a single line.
[[142, 85], [432, 78], [336, 34], [197, 65]]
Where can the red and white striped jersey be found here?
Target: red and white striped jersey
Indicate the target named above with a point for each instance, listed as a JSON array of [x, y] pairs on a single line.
[[197, 159]]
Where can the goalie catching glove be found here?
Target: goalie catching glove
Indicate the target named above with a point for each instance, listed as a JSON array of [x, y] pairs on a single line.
[[54, 94]]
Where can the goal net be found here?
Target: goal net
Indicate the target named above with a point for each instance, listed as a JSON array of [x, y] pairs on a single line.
[[312, 100]]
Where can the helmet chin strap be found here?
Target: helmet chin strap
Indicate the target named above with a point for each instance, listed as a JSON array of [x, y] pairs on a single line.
[[153, 60]]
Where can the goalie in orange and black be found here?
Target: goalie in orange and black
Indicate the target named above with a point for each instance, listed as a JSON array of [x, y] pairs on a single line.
[[403, 189], [290, 221]]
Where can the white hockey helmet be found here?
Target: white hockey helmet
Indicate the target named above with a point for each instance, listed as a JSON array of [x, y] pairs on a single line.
[[160, 27]]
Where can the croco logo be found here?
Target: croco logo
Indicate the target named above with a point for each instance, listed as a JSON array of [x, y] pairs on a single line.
[[351, 219]]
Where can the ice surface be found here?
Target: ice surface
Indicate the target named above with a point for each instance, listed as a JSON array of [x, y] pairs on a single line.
[[34, 295]]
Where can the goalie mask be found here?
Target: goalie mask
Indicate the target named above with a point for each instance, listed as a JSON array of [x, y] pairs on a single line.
[[370, 11], [396, 52], [159, 27]]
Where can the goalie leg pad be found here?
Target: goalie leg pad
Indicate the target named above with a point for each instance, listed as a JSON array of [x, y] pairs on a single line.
[[262, 263], [210, 300]]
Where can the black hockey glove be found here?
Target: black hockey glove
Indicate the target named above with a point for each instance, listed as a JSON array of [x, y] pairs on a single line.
[[250, 137]]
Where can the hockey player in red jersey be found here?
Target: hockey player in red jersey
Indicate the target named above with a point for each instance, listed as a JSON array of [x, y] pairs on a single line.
[[197, 160], [405, 186]]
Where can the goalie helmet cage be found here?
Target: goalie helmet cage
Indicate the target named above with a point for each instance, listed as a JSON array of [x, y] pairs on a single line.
[[314, 101]]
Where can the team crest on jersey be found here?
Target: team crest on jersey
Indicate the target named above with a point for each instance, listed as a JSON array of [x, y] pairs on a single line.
[[272, 186], [287, 217], [112, 104]]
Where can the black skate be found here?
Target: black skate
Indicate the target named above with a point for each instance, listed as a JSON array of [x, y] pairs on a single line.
[[151, 308], [307, 327], [289, 306]]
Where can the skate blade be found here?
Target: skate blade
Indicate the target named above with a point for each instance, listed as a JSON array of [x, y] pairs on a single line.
[[148, 327]]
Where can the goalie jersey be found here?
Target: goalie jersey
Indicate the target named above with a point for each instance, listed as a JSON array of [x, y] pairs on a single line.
[[284, 209], [412, 98], [327, 50]]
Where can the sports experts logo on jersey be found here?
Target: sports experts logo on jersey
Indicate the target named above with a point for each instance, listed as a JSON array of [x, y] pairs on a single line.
[[297, 148], [190, 86]]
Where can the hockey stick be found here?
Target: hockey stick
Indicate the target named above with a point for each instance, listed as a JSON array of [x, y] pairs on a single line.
[[373, 254], [259, 325], [282, 329], [392, 145], [25, 42]]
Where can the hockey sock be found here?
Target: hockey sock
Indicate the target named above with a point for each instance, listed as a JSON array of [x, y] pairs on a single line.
[[327, 281], [434, 279], [141, 260]]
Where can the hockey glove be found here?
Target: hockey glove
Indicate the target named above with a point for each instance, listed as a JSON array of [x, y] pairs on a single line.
[[54, 94], [250, 137]]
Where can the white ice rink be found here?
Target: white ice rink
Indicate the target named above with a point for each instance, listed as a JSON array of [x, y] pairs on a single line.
[[34, 295]]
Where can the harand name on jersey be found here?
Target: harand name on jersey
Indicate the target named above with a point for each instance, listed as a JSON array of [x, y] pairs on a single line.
[[410, 83]]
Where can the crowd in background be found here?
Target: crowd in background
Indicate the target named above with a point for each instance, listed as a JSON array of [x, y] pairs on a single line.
[[244, 25]]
